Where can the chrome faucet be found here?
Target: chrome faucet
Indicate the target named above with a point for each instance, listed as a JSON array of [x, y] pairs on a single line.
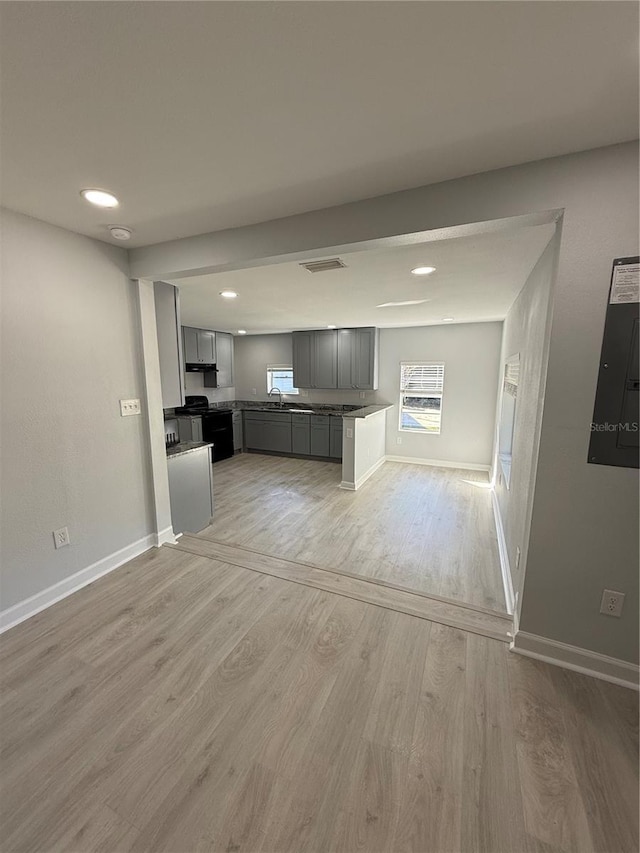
[[279, 392]]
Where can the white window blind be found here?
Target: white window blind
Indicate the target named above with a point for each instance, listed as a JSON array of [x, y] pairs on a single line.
[[421, 390], [427, 377]]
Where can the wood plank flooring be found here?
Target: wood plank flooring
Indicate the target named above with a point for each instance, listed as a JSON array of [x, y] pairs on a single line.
[[184, 704], [497, 626], [420, 528]]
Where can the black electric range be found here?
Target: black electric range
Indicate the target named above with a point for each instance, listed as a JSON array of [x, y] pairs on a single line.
[[217, 424]]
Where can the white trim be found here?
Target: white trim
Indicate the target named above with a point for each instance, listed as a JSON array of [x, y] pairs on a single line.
[[166, 535], [579, 660], [346, 484], [46, 597], [505, 566], [439, 463]]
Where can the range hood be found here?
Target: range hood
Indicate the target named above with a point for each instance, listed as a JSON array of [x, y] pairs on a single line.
[[199, 367]]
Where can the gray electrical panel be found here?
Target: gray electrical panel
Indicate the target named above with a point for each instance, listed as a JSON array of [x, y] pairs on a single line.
[[615, 429]]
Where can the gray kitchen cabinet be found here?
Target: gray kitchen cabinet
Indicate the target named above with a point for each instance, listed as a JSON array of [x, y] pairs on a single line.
[[358, 358], [300, 434], [190, 427], [320, 435], [223, 376], [199, 345], [335, 438], [325, 361], [315, 359], [190, 491], [268, 431], [238, 442], [303, 344], [167, 305], [206, 346]]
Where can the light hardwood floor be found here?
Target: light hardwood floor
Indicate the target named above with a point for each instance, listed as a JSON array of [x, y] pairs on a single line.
[[422, 528], [184, 704]]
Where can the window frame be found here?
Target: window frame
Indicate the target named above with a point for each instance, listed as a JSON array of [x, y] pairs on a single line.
[[421, 393], [274, 368]]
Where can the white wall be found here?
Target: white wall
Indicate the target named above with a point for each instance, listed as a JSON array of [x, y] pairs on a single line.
[[525, 333], [584, 532], [194, 384], [70, 351], [471, 356], [471, 352]]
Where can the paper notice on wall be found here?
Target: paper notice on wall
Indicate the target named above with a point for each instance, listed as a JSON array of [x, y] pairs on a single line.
[[625, 286]]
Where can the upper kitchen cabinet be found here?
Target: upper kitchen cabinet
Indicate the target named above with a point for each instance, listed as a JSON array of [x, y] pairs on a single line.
[[358, 358], [315, 359], [167, 303], [343, 358], [223, 376], [199, 346]]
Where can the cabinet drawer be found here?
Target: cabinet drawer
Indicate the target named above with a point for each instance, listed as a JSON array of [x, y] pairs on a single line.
[[300, 419], [268, 417], [320, 420]]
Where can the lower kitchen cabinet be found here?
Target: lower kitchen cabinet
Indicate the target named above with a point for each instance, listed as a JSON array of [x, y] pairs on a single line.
[[238, 441], [285, 432], [190, 491], [301, 434], [335, 438], [190, 428], [320, 435]]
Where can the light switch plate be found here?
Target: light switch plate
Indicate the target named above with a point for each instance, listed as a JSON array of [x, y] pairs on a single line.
[[129, 407]]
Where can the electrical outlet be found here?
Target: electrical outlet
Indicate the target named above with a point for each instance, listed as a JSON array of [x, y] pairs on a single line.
[[61, 537], [399, 440], [349, 432], [362, 395], [612, 601], [129, 407], [254, 391], [304, 392]]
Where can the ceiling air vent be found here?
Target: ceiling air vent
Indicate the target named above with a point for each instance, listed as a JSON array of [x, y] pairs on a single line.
[[324, 266]]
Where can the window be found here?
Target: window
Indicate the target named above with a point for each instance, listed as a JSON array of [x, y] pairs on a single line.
[[280, 376], [421, 387]]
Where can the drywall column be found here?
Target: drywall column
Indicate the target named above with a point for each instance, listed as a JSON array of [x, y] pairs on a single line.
[[155, 422], [363, 448]]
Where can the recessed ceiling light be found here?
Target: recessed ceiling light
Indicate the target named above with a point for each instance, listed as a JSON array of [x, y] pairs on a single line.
[[228, 294], [100, 198], [242, 331], [448, 319], [332, 327], [423, 270], [119, 232], [406, 302]]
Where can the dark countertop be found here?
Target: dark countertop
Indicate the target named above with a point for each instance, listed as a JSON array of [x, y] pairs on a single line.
[[186, 447], [351, 412]]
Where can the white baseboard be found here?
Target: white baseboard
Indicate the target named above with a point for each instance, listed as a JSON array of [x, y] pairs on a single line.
[[346, 484], [579, 660], [439, 463], [165, 536], [505, 566], [46, 597]]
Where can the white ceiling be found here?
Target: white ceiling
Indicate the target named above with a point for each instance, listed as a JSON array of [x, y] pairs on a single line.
[[201, 116], [476, 279]]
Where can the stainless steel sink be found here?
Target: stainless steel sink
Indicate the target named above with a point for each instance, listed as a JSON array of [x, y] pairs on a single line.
[[302, 411]]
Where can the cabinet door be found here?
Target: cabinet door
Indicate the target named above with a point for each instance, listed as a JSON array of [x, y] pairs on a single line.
[[363, 359], [278, 436], [190, 344], [237, 431], [302, 359], [320, 442], [345, 357], [206, 346], [301, 438], [335, 439], [325, 361], [167, 302], [224, 359], [254, 435]]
